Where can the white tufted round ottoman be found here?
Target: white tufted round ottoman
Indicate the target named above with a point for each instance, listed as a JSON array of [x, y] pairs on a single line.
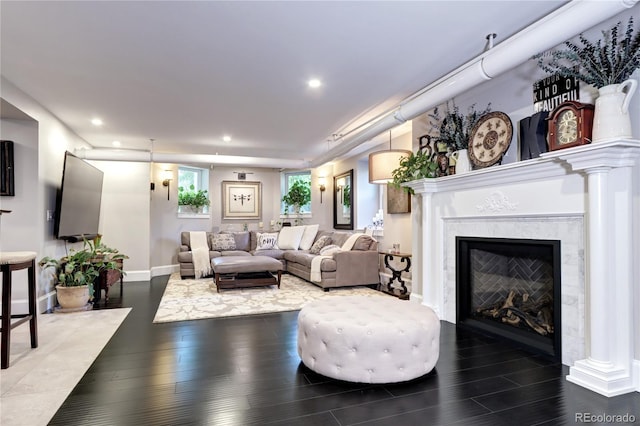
[[368, 339]]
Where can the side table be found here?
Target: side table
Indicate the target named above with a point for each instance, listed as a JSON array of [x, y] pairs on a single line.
[[396, 275], [105, 280]]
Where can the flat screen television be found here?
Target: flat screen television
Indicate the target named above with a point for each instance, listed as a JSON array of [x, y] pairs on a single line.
[[78, 201]]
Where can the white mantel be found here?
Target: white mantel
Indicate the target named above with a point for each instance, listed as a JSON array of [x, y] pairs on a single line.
[[587, 197]]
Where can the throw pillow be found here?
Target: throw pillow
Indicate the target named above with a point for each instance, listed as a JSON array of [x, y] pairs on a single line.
[[289, 237], [267, 241], [330, 250], [221, 242], [318, 245], [242, 240], [309, 235]]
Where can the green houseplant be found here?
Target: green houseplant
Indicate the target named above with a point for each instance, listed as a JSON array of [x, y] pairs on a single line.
[[422, 164], [190, 197], [454, 129], [607, 64], [610, 60], [79, 270], [299, 194]]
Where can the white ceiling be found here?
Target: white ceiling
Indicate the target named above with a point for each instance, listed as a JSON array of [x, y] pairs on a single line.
[[186, 73]]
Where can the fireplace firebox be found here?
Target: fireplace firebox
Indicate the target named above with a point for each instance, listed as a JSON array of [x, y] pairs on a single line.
[[510, 288]]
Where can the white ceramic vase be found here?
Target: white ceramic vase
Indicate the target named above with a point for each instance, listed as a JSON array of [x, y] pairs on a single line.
[[463, 165], [611, 119]]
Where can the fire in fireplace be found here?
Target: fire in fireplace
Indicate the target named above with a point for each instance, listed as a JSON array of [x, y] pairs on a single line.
[[510, 288]]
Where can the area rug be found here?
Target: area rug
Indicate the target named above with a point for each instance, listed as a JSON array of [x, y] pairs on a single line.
[[39, 380], [192, 299]]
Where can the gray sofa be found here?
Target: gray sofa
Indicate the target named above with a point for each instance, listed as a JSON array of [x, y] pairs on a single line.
[[358, 266]]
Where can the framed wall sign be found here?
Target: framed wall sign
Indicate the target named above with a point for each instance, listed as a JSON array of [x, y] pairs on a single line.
[[241, 200], [398, 200]]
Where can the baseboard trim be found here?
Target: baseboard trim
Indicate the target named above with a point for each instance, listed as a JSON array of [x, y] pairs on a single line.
[[157, 271], [137, 276], [635, 369]]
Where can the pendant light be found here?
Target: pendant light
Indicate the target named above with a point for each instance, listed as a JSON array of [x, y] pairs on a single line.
[[382, 163]]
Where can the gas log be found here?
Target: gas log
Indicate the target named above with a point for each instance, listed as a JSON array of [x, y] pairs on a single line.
[[519, 310]]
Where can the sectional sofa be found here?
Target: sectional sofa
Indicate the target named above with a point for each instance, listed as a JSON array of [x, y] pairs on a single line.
[[339, 268]]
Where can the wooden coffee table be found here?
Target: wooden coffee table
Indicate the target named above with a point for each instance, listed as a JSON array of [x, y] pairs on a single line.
[[246, 271]]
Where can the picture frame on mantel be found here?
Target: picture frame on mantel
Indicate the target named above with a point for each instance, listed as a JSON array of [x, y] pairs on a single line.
[[398, 200], [241, 200]]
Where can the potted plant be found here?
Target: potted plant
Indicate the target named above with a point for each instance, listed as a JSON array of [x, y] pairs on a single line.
[[76, 273], [454, 131], [606, 64], [196, 200], [299, 194], [421, 165]]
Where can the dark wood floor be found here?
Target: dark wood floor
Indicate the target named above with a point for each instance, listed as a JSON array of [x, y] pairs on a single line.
[[245, 370]]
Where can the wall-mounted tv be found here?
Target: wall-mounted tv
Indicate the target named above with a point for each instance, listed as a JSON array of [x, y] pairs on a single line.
[[79, 198]]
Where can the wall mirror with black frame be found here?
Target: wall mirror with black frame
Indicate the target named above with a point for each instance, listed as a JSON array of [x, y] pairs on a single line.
[[343, 200]]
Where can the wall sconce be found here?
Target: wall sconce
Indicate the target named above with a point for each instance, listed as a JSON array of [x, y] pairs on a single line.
[[322, 181], [167, 175], [340, 183]]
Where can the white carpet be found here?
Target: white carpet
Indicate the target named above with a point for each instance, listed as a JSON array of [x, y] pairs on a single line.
[[192, 299], [39, 380]]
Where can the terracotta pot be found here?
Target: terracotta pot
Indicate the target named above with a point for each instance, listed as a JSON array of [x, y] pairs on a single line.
[[72, 297]]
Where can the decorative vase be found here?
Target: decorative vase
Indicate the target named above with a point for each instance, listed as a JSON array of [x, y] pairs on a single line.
[[443, 164], [463, 165], [611, 119], [72, 298]]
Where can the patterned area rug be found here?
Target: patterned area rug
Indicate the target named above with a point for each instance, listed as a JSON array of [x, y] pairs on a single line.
[[192, 299]]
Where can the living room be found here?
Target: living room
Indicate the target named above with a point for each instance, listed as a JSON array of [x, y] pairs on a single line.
[[145, 223]]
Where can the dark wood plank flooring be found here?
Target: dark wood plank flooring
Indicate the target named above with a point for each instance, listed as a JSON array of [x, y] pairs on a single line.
[[246, 371]]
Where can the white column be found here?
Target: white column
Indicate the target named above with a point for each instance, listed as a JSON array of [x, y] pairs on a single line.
[[608, 368], [416, 249], [598, 265], [424, 262], [429, 286]]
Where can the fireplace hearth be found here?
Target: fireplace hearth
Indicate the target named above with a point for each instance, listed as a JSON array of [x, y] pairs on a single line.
[[510, 288]]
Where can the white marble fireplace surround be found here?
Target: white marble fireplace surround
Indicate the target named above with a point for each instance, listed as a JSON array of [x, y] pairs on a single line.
[[567, 229], [587, 197]]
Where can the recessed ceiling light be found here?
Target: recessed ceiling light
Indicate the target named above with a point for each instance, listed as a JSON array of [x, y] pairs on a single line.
[[96, 122], [116, 143], [226, 138], [314, 83]]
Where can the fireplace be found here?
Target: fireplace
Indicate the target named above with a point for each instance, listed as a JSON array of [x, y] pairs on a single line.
[[510, 288]]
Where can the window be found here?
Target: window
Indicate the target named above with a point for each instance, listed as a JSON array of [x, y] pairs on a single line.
[[289, 179], [188, 176], [190, 181]]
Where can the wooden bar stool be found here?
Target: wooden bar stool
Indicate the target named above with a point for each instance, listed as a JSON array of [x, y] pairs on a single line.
[[9, 262]]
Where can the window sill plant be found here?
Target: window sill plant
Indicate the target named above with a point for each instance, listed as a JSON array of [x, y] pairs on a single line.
[[196, 200], [299, 195]]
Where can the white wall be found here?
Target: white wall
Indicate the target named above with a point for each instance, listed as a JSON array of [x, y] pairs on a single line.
[[397, 227], [124, 214], [322, 211], [17, 230], [45, 158]]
